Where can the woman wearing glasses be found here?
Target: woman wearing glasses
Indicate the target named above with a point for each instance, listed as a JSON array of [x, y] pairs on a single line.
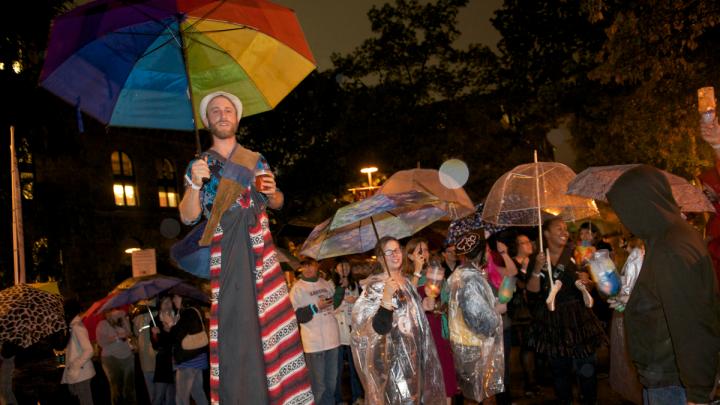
[[391, 339]]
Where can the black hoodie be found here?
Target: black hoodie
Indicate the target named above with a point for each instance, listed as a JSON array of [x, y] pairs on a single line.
[[673, 316]]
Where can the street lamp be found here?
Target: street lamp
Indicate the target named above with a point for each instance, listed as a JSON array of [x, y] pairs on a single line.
[[369, 171]]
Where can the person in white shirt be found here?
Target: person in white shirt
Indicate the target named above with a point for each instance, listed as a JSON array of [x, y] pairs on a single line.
[[79, 369], [312, 299], [347, 291]]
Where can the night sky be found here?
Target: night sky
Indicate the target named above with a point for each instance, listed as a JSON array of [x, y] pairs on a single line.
[[341, 25]]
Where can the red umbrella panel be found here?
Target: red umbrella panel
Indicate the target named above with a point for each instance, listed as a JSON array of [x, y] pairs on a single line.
[[92, 316]]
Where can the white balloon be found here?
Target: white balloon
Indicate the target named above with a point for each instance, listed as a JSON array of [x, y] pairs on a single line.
[[453, 173]]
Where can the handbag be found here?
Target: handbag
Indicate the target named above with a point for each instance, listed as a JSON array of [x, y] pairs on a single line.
[[194, 341]]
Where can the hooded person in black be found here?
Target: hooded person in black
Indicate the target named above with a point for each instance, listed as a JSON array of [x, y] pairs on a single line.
[[673, 315]]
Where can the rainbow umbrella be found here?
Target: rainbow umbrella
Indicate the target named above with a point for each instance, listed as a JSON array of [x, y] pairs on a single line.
[[147, 64]]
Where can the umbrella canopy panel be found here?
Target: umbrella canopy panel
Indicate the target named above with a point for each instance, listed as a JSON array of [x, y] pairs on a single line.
[[595, 182], [132, 63], [457, 202], [28, 314], [513, 199]]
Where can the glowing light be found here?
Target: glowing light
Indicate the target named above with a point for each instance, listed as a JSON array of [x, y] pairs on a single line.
[[119, 197], [453, 173], [130, 195], [17, 67], [132, 249], [553, 211], [369, 171]]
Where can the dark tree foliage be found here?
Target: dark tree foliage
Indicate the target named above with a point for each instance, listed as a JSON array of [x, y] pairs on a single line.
[[623, 75], [415, 99]]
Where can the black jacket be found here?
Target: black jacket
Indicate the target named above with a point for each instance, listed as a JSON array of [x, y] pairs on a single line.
[[188, 323], [673, 315]]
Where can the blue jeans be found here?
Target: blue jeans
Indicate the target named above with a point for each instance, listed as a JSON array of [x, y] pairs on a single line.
[[356, 389], [323, 375], [189, 381], [164, 394], [672, 395]]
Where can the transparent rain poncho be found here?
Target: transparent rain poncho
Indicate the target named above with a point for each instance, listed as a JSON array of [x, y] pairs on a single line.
[[401, 367], [475, 334]]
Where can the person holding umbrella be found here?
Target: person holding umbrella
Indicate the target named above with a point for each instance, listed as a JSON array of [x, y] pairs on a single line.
[[116, 356], [568, 332], [79, 369], [249, 297], [391, 338]]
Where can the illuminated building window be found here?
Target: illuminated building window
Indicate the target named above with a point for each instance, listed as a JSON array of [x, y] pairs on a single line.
[[123, 180], [167, 183]]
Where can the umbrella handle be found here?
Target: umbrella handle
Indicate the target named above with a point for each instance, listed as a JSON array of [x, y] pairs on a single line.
[[198, 155], [550, 301], [372, 221], [549, 263]]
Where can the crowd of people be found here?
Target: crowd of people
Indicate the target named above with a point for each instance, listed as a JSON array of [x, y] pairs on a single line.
[[429, 325]]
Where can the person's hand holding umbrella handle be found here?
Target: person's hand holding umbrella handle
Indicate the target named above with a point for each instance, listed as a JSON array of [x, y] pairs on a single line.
[[390, 287], [200, 172]]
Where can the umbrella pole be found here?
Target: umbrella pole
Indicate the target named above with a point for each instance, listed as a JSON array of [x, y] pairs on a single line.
[[537, 197], [198, 147], [539, 213], [186, 60], [152, 318], [377, 237]]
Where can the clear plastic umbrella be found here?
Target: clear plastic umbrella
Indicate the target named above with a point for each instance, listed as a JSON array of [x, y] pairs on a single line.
[[595, 182], [529, 192]]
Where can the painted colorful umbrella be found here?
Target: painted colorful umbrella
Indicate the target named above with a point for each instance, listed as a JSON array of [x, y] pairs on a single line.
[[357, 227], [28, 314], [149, 63], [595, 182]]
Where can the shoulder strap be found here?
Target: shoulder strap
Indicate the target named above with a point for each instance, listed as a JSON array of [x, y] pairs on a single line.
[[199, 316], [240, 164]]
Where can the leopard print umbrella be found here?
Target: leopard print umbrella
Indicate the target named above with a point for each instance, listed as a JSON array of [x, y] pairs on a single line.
[[28, 315]]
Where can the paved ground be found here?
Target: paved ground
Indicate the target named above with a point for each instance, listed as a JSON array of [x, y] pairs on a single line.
[[546, 396], [606, 396]]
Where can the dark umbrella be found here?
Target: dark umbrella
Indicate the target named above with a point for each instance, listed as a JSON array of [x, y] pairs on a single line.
[[135, 289]]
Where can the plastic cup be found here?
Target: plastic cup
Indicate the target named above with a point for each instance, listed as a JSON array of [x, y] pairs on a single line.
[[259, 176]]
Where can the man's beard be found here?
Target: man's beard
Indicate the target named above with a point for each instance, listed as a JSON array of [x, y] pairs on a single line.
[[222, 133]]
